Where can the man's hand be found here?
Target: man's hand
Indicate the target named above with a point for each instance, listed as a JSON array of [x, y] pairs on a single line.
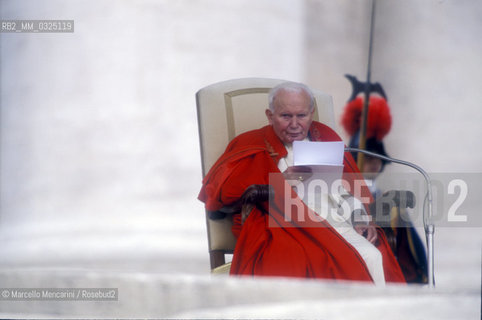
[[368, 231], [252, 196], [298, 173]]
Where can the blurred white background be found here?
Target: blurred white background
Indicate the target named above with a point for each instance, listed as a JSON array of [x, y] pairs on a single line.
[[100, 164]]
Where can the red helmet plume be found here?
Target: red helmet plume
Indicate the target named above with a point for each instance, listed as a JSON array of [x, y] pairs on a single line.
[[379, 119]]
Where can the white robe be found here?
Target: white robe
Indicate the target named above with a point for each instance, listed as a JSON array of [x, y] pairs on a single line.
[[331, 208]]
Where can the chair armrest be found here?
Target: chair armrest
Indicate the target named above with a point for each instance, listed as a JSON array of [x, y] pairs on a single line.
[[253, 195]]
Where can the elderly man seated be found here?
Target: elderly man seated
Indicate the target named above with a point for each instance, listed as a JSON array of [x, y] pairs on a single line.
[[268, 242]]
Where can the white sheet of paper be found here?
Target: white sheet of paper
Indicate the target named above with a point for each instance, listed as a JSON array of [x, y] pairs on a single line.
[[309, 153]]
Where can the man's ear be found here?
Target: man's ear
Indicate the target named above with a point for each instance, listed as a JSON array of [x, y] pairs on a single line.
[[269, 115]]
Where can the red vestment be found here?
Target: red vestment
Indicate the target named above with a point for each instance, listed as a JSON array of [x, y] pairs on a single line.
[[270, 244]]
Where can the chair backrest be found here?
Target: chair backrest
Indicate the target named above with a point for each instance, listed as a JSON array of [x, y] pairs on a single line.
[[225, 110]]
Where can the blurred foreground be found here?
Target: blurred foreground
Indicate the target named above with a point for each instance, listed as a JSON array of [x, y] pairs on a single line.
[[164, 273]]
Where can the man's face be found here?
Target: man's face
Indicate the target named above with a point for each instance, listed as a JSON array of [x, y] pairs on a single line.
[[291, 118], [371, 167]]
